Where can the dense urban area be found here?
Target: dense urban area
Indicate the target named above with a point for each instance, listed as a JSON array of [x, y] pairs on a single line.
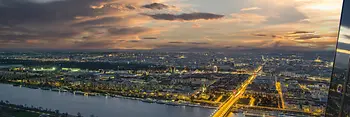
[[251, 83]]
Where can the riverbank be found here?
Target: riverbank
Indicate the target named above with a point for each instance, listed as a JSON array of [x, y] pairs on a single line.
[[145, 100], [8, 109]]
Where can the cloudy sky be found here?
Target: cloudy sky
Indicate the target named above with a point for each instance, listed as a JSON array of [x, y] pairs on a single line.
[[156, 24]]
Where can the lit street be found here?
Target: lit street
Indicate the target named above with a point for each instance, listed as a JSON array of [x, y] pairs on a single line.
[[225, 107]]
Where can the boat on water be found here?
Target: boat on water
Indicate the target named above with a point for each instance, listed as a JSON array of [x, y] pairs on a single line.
[[148, 100], [16, 85], [79, 92], [45, 88], [193, 105], [55, 89], [92, 94], [161, 101], [33, 87], [210, 107], [63, 90], [117, 96], [171, 103]]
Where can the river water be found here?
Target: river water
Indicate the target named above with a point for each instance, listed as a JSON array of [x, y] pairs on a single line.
[[99, 106]]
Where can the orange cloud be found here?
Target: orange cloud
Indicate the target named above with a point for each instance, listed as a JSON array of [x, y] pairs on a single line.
[[246, 18], [253, 41], [196, 25], [250, 9]]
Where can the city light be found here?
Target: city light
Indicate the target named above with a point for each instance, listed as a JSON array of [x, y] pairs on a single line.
[[174, 58]]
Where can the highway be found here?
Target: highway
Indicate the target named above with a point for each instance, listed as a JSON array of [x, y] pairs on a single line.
[[277, 109], [252, 101], [224, 108], [279, 89]]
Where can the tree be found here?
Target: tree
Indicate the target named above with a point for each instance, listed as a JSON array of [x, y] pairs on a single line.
[[79, 115], [57, 111], [65, 114]]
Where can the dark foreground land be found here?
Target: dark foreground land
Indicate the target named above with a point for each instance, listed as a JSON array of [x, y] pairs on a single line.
[[12, 110]]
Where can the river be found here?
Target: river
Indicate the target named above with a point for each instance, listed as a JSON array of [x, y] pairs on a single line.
[[98, 105]]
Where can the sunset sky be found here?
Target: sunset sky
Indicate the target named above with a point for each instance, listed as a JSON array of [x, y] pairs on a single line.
[[156, 24]]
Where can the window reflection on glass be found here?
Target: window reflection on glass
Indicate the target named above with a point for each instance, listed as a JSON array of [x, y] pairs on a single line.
[[339, 98]]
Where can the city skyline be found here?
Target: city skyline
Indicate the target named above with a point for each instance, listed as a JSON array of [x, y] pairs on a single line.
[[169, 24]]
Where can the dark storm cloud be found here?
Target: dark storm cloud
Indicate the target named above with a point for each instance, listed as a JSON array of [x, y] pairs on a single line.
[[93, 28], [22, 12], [99, 21], [150, 38], [308, 36], [50, 20], [302, 32], [43, 20], [175, 42], [193, 43], [22, 34], [43, 1], [94, 44], [128, 31], [185, 16], [118, 6], [276, 36], [130, 7], [134, 41], [259, 35], [276, 44], [10, 29], [156, 6], [197, 43]]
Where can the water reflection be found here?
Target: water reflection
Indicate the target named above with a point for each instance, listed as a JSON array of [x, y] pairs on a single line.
[[100, 106]]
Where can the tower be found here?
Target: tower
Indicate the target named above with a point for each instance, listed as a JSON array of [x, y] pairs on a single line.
[[318, 60], [215, 69], [172, 69], [262, 57]]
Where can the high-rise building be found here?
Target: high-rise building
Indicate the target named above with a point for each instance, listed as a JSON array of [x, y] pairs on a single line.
[[338, 103], [262, 57], [215, 69], [338, 97], [318, 60], [172, 69]]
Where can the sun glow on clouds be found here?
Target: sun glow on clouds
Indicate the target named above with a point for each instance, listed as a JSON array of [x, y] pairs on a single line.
[[321, 10], [246, 18], [323, 7], [250, 9], [124, 24]]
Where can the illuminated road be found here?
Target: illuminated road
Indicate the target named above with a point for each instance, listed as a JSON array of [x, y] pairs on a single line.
[[219, 98], [277, 109], [224, 108], [279, 89], [252, 100]]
